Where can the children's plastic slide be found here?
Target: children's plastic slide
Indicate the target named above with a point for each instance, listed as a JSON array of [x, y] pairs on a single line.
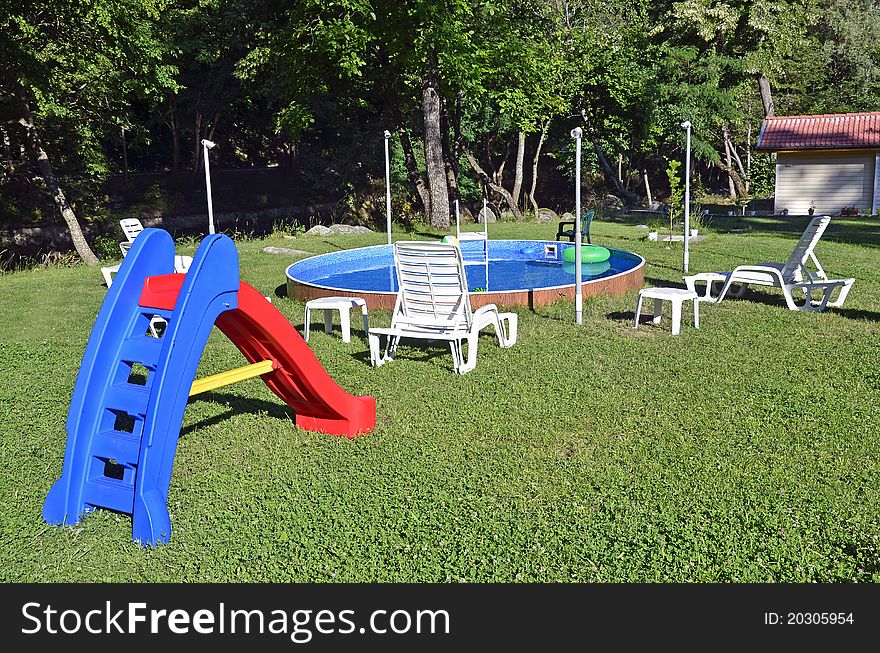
[[132, 388]]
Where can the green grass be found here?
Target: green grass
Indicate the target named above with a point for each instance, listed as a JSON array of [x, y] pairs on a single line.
[[746, 451]]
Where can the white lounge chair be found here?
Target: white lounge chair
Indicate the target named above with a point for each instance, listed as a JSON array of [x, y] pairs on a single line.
[[131, 227], [791, 277], [433, 304]]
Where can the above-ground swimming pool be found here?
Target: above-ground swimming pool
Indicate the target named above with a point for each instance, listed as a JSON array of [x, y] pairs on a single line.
[[516, 272]]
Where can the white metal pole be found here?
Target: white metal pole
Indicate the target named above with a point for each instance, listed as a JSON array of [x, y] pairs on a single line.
[[486, 246], [207, 145], [457, 222], [486, 239], [687, 194], [388, 185], [576, 134]]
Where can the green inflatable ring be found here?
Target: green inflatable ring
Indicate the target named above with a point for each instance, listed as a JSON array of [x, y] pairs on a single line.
[[589, 253]]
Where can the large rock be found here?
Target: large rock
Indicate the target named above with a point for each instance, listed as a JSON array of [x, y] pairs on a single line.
[[321, 230], [486, 214], [348, 229], [546, 215], [465, 216], [318, 230], [612, 202], [285, 250]]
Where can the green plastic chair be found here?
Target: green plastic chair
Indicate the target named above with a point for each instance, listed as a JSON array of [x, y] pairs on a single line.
[[586, 220]]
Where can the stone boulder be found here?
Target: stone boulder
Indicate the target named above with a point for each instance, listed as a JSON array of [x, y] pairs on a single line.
[[465, 216], [486, 214], [611, 203], [321, 230], [318, 230], [546, 215], [285, 250], [349, 229]]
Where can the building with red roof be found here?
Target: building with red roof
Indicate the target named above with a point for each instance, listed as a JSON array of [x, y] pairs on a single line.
[[830, 162]]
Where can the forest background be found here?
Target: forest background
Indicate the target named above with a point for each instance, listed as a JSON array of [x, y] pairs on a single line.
[[104, 103]]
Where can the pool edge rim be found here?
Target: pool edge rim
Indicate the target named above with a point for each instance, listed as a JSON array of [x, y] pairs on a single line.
[[614, 285]]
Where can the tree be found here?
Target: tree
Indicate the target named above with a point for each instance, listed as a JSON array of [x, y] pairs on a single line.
[[70, 70], [716, 57], [676, 193], [419, 56], [606, 73]]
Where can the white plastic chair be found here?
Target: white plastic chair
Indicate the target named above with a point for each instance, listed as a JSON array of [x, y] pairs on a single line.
[[794, 275], [131, 227], [181, 265], [433, 304]]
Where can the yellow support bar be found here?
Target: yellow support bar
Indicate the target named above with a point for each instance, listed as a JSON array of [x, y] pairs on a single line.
[[232, 376]]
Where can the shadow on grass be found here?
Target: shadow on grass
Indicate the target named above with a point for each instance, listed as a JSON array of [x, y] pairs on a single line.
[[857, 314], [768, 298], [424, 234], [854, 231], [664, 283], [237, 405], [424, 351], [627, 317]]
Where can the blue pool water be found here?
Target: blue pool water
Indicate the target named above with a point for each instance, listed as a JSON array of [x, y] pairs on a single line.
[[512, 265]]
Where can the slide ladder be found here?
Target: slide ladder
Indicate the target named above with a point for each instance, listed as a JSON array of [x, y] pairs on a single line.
[[132, 388]]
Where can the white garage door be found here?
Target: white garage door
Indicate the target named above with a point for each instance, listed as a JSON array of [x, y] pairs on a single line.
[[832, 180]]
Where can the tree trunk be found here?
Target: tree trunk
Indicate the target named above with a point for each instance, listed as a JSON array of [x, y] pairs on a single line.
[[499, 174], [518, 173], [532, 200], [729, 163], [489, 142], [742, 169], [647, 187], [210, 134], [438, 214], [733, 176], [76, 235], [748, 156], [766, 95], [409, 158], [611, 179], [412, 168], [197, 136], [491, 184]]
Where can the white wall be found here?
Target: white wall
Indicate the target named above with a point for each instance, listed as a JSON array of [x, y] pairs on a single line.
[[832, 180]]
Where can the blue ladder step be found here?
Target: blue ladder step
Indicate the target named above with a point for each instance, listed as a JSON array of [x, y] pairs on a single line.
[[116, 445], [128, 397], [141, 349], [109, 493]]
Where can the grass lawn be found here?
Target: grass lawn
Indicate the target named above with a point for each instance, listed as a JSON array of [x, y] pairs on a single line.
[[746, 451]]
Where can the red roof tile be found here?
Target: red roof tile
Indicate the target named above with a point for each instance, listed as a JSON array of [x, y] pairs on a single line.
[[829, 131]]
